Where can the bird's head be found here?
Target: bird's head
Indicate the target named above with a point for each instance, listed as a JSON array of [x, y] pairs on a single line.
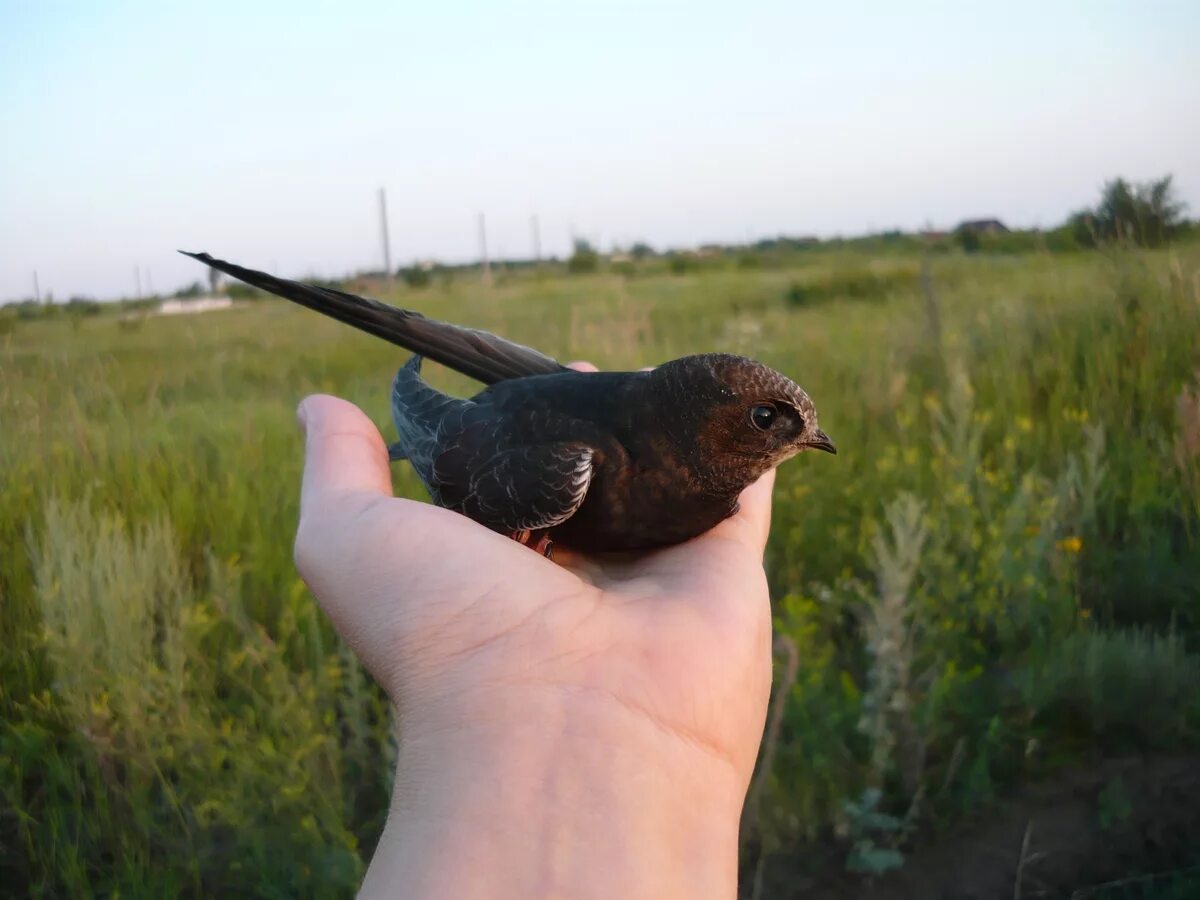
[[744, 411]]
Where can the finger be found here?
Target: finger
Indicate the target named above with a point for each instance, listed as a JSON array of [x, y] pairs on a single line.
[[580, 365], [721, 563], [721, 572], [344, 453], [752, 523]]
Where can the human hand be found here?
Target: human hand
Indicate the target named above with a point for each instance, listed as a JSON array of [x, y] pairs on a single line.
[[575, 725]]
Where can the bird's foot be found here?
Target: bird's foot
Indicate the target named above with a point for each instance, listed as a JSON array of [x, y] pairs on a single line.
[[538, 541], [544, 546]]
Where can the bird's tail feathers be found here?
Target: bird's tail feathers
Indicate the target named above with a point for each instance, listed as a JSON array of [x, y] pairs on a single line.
[[477, 354], [418, 411]]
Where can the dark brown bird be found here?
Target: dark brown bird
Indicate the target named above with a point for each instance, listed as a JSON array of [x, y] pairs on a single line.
[[598, 460]]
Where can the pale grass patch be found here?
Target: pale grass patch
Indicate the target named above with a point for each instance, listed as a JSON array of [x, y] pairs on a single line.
[[111, 600]]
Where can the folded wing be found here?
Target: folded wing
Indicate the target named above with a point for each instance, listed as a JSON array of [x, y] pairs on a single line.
[[526, 488]]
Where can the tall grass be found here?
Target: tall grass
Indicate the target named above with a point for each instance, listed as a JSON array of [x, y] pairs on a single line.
[[178, 718]]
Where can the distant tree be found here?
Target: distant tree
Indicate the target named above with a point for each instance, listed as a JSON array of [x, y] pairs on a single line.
[[1148, 214], [416, 276], [681, 263], [34, 309], [583, 259], [1062, 239], [968, 239], [195, 289], [1082, 228], [83, 306], [237, 291], [641, 250]]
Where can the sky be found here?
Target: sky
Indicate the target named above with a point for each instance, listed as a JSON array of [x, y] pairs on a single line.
[[262, 131]]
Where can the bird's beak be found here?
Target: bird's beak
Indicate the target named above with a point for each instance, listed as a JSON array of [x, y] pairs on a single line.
[[821, 441]]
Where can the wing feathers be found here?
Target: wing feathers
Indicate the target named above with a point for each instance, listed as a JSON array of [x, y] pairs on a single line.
[[529, 488]]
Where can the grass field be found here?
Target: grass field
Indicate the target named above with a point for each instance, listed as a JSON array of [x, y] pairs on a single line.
[[996, 580]]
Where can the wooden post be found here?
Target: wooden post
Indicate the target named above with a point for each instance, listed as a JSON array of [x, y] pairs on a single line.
[[383, 234], [483, 251]]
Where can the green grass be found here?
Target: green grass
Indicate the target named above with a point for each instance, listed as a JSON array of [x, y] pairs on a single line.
[[178, 717]]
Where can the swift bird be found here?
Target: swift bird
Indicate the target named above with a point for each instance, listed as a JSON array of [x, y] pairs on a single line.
[[600, 461]]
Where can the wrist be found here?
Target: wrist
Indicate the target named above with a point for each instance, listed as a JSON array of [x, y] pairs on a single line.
[[559, 793]]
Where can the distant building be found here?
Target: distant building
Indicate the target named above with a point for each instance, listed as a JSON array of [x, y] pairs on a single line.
[[983, 226], [179, 306]]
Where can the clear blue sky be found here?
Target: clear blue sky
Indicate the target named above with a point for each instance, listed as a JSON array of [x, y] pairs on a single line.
[[260, 131]]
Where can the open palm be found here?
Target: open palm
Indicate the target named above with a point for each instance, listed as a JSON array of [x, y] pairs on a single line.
[[465, 628]]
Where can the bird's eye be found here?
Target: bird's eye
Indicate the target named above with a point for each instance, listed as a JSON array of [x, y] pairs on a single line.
[[763, 417]]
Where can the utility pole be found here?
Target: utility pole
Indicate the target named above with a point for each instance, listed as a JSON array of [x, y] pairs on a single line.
[[137, 279], [149, 282], [483, 254], [537, 240], [383, 234], [37, 290]]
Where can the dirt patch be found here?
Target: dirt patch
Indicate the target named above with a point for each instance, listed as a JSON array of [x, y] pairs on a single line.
[[1062, 839]]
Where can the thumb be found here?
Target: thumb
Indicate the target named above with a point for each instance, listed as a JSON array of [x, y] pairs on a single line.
[[345, 472], [344, 456], [345, 475]]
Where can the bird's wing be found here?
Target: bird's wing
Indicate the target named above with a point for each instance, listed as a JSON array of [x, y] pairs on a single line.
[[477, 354], [525, 488]]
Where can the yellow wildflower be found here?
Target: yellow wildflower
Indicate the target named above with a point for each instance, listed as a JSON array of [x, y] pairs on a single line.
[[1025, 424], [1071, 544]]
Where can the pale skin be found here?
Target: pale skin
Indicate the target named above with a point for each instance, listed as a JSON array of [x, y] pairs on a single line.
[[569, 728]]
